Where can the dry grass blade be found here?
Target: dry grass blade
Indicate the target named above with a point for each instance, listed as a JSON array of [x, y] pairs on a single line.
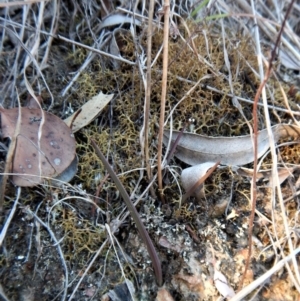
[[87, 269], [10, 217], [269, 28], [127, 281], [95, 50], [59, 249], [2, 294], [19, 3]]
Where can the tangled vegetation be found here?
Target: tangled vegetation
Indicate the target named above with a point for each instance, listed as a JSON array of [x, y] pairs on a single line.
[[78, 240]]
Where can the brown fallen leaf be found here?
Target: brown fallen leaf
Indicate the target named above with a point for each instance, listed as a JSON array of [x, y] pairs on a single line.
[[40, 151], [195, 149]]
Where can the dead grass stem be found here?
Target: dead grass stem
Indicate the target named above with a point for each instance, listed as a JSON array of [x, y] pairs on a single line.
[[163, 96]]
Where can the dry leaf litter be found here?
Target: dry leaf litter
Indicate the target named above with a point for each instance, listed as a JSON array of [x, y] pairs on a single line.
[[31, 267]]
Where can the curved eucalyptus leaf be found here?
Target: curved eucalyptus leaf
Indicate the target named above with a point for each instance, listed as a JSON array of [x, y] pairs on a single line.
[[195, 149]]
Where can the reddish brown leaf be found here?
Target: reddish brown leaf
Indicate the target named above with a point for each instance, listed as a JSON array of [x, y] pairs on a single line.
[[36, 158]]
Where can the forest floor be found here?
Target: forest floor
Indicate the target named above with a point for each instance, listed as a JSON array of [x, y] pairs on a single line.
[[78, 241]]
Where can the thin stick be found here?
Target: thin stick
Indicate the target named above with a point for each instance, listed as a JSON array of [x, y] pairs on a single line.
[[163, 97], [94, 49], [255, 145], [260, 281], [148, 91], [112, 238]]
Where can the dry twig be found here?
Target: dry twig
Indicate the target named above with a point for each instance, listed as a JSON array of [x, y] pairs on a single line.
[[163, 96]]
